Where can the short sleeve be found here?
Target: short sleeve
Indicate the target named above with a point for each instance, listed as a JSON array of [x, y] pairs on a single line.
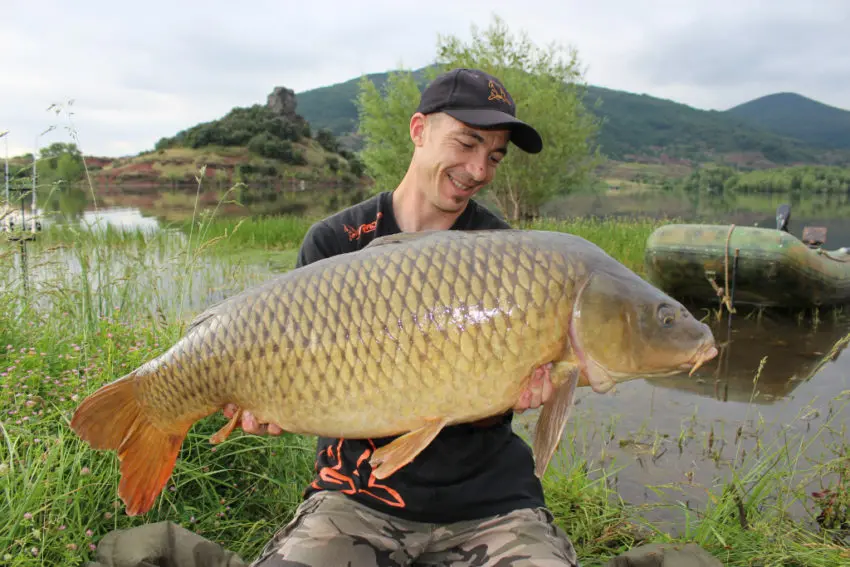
[[319, 243]]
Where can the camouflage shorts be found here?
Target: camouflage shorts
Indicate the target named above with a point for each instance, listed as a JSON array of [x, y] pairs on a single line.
[[329, 529]]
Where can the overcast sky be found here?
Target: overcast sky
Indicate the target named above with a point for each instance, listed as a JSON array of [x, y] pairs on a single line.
[[138, 71]]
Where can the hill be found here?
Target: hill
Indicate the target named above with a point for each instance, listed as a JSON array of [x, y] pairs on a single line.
[[796, 116], [636, 127], [264, 145], [332, 107]]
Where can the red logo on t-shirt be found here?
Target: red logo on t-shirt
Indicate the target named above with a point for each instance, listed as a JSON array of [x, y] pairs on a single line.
[[356, 233]]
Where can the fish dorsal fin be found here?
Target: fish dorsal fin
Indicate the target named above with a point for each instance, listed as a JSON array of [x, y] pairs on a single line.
[[399, 238]]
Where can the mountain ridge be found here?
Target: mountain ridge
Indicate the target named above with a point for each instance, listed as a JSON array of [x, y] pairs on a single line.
[[792, 114], [643, 127]]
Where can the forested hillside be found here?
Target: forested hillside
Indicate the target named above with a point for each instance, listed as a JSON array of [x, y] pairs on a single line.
[[789, 114], [637, 127]]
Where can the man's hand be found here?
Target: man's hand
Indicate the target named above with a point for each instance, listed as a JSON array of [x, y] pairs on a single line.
[[538, 391], [250, 424]]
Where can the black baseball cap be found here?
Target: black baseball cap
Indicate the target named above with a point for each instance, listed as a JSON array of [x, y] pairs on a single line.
[[480, 100]]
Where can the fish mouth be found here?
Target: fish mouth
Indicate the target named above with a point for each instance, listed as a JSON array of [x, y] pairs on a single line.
[[701, 356]]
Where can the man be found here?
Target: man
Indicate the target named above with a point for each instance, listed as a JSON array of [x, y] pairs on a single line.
[[471, 497]]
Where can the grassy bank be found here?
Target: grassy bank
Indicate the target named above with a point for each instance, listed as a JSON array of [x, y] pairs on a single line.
[[624, 239], [103, 304]]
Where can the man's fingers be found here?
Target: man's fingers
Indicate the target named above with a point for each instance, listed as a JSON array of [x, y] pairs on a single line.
[[523, 401], [249, 424], [538, 391]]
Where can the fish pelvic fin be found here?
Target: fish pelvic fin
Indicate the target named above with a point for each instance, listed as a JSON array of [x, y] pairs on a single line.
[[113, 418], [222, 434], [554, 415], [393, 456]]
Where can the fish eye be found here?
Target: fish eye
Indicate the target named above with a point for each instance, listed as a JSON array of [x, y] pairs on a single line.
[[666, 314]]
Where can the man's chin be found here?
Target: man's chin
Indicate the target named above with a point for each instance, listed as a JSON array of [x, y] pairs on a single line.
[[454, 201]]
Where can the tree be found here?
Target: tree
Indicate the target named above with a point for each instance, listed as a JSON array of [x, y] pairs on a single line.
[[384, 121], [546, 85], [69, 168], [327, 140]]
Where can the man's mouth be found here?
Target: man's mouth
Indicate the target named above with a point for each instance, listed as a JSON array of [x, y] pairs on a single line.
[[460, 185]]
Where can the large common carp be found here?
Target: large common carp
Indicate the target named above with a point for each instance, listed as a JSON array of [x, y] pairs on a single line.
[[415, 332]]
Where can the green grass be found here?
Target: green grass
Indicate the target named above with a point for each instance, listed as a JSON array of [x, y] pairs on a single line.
[[106, 302], [624, 239], [264, 233], [125, 298]]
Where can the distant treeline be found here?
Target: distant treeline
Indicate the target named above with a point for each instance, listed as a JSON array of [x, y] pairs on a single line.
[[799, 180], [58, 166]]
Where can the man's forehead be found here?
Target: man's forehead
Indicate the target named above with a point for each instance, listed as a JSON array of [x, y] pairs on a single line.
[[456, 125], [489, 135]]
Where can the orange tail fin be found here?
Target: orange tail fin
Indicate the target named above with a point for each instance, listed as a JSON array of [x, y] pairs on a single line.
[[112, 418]]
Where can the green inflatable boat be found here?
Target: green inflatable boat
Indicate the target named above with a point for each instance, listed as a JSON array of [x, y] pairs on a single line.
[[707, 264]]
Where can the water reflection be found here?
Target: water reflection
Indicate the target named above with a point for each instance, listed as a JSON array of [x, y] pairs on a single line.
[[762, 361], [122, 218], [670, 441]]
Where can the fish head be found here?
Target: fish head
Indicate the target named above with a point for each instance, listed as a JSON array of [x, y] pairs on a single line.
[[624, 328]]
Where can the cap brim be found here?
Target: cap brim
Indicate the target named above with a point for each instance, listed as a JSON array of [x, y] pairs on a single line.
[[523, 135]]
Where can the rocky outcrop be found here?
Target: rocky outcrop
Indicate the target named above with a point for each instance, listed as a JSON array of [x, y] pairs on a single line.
[[282, 101]]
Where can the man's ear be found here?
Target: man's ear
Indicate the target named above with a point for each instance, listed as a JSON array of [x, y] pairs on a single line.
[[417, 128]]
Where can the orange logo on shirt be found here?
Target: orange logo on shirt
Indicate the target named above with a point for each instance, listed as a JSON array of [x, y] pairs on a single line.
[[355, 233], [333, 475]]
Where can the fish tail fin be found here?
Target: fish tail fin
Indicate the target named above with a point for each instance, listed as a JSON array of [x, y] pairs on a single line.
[[114, 418]]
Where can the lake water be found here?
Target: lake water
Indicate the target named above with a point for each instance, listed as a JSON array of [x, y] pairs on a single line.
[[672, 438], [640, 425]]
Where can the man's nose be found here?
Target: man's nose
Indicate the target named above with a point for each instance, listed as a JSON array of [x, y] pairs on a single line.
[[477, 168]]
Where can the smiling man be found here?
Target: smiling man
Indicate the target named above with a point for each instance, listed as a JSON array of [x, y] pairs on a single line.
[[471, 497]]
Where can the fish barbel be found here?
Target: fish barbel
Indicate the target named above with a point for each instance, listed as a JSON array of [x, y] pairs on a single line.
[[415, 332]]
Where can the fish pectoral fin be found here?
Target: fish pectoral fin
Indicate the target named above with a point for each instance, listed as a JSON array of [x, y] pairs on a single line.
[[389, 458], [554, 415], [222, 434]]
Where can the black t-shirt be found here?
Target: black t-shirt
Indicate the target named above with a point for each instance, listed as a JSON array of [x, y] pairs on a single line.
[[469, 471]]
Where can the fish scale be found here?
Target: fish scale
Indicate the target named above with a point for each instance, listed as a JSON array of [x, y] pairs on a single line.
[[410, 334]]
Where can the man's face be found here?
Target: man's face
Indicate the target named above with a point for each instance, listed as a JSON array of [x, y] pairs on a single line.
[[455, 160]]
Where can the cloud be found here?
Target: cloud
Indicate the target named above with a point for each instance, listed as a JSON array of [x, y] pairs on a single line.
[[729, 56], [138, 72]]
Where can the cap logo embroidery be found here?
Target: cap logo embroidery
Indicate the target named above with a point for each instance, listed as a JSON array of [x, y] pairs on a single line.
[[497, 93]]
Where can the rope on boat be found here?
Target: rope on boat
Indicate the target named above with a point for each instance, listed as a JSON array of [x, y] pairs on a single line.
[[843, 258], [723, 292]]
